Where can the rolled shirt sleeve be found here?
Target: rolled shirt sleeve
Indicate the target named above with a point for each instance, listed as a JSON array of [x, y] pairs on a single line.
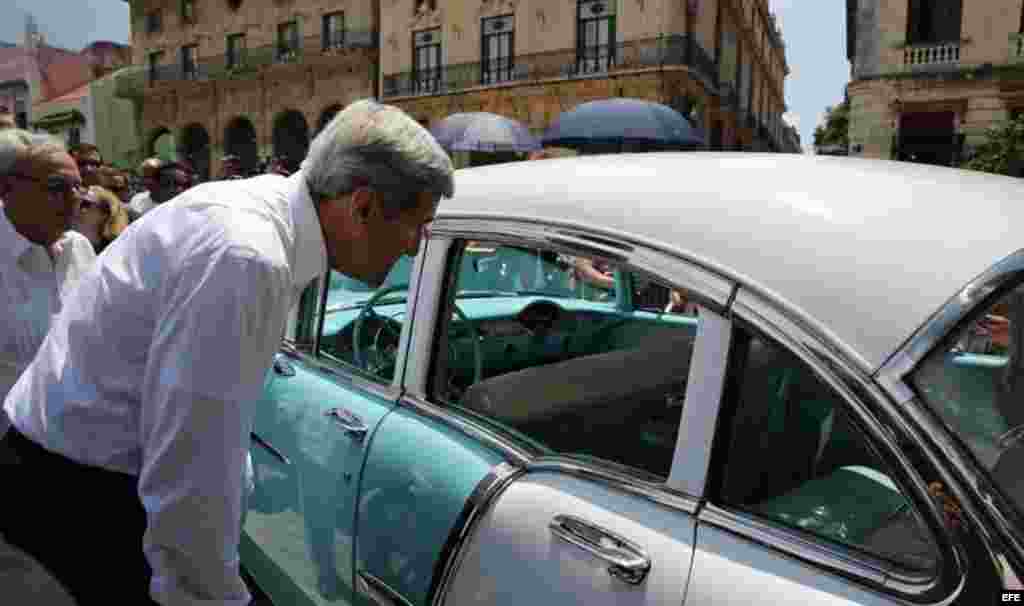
[[220, 323]]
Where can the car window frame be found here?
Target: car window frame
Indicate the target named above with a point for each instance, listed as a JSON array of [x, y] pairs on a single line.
[[306, 325], [761, 317], [960, 469], [707, 288]]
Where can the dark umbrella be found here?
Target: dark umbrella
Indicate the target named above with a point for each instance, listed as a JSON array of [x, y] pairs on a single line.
[[618, 123], [483, 131]]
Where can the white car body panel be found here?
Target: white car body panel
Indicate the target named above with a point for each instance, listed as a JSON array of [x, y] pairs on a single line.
[[882, 235], [732, 571], [514, 559]]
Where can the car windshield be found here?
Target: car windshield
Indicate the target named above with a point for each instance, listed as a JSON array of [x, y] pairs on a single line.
[[974, 382]]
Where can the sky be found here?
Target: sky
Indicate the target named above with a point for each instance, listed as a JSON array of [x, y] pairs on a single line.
[[815, 36]]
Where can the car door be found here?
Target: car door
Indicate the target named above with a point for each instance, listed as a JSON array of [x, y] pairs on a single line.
[[310, 438], [805, 503], [599, 509]]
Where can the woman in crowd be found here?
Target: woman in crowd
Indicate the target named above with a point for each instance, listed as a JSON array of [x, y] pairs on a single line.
[[101, 217]]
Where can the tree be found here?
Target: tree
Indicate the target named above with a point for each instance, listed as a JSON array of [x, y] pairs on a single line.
[[1002, 148], [836, 129]]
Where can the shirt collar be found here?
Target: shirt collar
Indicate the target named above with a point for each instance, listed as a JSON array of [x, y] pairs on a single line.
[[310, 249], [12, 243]]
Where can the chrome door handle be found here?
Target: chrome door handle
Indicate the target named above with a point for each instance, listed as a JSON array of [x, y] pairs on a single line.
[[628, 561], [283, 367], [349, 422]]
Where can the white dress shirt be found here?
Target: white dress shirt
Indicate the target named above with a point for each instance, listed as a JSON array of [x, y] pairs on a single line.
[[155, 364], [142, 203], [32, 286]]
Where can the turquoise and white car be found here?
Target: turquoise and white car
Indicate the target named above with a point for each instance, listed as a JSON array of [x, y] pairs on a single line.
[[801, 423]]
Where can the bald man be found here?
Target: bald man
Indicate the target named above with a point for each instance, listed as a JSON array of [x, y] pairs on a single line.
[[142, 202]]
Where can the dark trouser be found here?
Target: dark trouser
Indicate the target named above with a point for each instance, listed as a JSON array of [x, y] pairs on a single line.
[[83, 523]]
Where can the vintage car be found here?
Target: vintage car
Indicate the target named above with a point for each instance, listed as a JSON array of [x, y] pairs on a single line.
[[810, 420]]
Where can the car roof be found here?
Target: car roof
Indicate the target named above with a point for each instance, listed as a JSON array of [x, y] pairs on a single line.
[[870, 249]]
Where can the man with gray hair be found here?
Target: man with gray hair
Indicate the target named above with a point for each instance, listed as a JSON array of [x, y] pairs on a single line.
[[40, 261], [142, 395]]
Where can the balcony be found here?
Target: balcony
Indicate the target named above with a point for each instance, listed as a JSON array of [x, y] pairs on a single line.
[[676, 50], [249, 61], [932, 56]]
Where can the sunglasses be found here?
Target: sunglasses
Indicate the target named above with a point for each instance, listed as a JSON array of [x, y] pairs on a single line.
[[87, 204], [55, 184]]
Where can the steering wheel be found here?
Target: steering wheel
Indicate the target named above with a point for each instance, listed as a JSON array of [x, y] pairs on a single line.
[[387, 324]]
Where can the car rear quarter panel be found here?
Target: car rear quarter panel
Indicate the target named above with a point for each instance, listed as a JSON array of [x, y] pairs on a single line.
[[418, 476]]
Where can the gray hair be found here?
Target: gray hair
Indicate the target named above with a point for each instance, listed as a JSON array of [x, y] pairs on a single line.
[[17, 144], [380, 147]]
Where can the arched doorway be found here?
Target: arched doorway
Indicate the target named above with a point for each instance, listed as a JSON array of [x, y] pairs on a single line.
[[162, 145], [240, 140], [195, 149], [291, 138], [327, 115]]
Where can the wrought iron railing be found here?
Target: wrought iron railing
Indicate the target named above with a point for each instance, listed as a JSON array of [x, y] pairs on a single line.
[[567, 63], [930, 55], [244, 61]]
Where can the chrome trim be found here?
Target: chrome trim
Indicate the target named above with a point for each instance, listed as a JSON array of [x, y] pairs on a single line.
[[495, 226], [881, 418], [813, 335], [282, 367], [948, 316], [377, 591], [812, 552], [513, 451], [479, 503], [269, 448], [349, 422], [618, 477], [387, 392], [628, 561]]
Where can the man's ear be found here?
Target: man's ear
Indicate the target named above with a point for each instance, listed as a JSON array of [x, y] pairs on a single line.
[[361, 205]]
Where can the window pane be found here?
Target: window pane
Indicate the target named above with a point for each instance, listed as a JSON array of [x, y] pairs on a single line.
[[366, 338], [973, 383], [796, 457], [536, 346]]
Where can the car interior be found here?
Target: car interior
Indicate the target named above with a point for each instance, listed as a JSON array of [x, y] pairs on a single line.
[[563, 364], [796, 456]]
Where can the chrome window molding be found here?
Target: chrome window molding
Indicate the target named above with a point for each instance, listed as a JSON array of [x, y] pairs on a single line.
[[385, 391], [877, 574], [513, 450], [455, 223], [377, 591], [619, 477], [936, 328], [455, 548], [877, 415]]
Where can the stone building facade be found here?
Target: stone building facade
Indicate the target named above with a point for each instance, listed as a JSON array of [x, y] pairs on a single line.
[[720, 62], [258, 77], [928, 78], [254, 78]]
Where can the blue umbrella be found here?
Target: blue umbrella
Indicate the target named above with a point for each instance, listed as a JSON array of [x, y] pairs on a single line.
[[620, 123], [483, 131]]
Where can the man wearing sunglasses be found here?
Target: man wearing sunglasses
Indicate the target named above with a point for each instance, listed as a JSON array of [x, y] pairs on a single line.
[[40, 262]]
